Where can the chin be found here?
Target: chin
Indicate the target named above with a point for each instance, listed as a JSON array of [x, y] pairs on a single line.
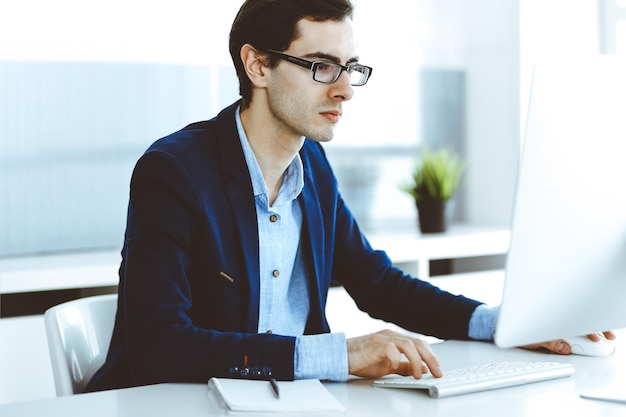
[[323, 140], [321, 136]]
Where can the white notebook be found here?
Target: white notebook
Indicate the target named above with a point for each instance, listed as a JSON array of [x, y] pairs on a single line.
[[242, 396]]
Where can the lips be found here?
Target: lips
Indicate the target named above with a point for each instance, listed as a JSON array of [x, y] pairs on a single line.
[[332, 115]]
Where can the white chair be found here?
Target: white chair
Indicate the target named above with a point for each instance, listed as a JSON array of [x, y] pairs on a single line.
[[79, 333]]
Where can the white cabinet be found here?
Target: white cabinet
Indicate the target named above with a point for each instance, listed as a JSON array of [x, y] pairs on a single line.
[[460, 241]]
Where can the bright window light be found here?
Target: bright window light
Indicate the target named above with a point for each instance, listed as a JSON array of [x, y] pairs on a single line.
[[620, 34]]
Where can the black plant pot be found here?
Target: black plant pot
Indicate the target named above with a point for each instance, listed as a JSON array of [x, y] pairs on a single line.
[[432, 215]]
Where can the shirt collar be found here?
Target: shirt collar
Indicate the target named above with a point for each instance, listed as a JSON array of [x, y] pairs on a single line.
[[293, 181]]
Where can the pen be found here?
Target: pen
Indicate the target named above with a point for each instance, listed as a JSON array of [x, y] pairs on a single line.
[[274, 386]]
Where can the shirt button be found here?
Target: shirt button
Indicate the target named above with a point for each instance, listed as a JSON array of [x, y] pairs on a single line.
[[273, 218], [269, 331], [276, 273]]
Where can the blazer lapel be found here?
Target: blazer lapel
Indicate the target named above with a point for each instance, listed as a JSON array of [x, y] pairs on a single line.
[[314, 228], [238, 188]]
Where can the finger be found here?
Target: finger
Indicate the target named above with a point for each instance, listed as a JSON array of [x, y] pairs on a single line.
[[610, 335], [414, 366], [406, 369], [557, 346], [604, 335], [594, 336], [429, 358], [420, 356]]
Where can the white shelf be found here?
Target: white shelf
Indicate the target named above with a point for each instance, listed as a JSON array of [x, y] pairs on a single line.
[[59, 271], [459, 241], [100, 269]]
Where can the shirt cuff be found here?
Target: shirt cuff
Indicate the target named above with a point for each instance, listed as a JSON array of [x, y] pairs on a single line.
[[321, 356], [482, 325]]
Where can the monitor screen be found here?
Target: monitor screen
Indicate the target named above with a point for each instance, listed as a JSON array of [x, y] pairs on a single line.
[[566, 267]]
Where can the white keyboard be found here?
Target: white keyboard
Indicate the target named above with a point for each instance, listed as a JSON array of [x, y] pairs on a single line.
[[480, 378]]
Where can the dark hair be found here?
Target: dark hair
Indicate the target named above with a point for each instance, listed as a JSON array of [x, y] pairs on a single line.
[[272, 24]]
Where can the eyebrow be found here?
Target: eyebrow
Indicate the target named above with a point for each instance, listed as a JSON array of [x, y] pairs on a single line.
[[328, 57]]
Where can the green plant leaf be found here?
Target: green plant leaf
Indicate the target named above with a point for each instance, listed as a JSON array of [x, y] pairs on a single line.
[[436, 176]]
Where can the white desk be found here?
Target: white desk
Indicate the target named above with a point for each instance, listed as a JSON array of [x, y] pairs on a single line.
[[559, 397], [25, 368], [459, 241], [26, 374]]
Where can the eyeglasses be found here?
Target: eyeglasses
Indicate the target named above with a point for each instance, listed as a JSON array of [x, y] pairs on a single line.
[[329, 72]]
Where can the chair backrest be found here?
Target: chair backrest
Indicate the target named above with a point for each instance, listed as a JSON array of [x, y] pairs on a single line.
[[79, 333]]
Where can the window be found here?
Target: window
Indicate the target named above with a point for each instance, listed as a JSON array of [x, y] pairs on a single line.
[[620, 30], [85, 89], [612, 26]]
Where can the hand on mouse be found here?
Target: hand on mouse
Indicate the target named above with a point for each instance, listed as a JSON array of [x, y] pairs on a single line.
[[561, 347]]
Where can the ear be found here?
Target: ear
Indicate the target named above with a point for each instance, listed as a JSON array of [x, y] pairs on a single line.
[[253, 65]]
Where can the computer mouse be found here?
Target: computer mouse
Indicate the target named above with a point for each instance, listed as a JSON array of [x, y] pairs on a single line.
[[582, 345]]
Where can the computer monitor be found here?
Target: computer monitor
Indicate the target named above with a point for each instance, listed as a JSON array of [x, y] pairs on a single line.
[[566, 267]]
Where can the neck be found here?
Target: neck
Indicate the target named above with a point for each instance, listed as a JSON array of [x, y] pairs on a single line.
[[273, 149]]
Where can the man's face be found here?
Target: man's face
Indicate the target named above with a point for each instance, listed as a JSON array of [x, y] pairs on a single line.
[[300, 105]]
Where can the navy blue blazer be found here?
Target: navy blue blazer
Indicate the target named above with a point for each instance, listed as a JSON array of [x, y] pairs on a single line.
[[188, 305]]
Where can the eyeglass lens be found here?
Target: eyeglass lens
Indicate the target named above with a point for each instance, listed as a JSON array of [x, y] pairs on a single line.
[[329, 73]]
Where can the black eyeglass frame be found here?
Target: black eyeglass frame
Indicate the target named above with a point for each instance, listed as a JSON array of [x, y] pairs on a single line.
[[312, 66]]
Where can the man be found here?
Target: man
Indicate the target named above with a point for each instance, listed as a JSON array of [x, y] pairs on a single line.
[[236, 229]]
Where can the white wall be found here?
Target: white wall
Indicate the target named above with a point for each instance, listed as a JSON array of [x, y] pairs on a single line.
[[477, 37], [554, 27], [482, 38]]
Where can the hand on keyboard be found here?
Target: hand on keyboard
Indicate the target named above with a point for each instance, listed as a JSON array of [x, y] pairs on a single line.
[[380, 354]]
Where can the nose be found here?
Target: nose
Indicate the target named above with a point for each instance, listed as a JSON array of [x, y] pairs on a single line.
[[341, 89]]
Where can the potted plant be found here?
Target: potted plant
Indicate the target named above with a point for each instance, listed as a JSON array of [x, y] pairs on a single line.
[[435, 180]]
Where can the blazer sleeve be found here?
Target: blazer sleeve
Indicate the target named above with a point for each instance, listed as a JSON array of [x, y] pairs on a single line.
[[385, 292]]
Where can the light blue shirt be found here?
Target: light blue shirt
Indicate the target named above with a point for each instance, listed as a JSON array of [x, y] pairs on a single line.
[[284, 303], [483, 322]]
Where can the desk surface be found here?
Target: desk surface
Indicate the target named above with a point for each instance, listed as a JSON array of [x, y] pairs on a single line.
[[540, 399]]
